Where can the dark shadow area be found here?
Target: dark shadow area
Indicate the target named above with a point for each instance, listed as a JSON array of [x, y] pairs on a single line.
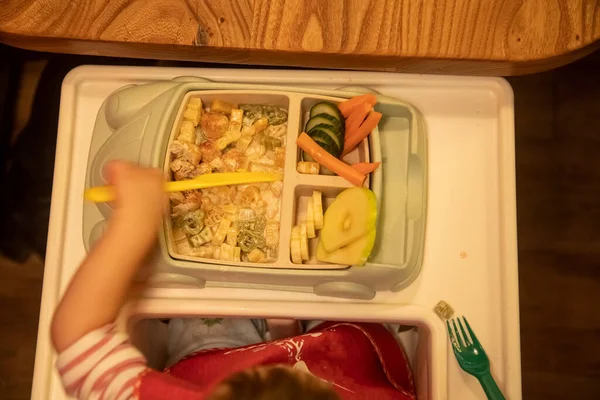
[[9, 78], [557, 124], [29, 164]]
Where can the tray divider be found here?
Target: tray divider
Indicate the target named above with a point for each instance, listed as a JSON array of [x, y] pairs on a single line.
[[289, 182]]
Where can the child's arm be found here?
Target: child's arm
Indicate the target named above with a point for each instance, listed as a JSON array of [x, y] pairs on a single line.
[[98, 289], [94, 360]]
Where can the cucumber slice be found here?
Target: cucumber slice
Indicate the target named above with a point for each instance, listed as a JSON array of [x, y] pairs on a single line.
[[326, 146], [327, 107], [331, 131], [316, 121], [334, 121], [324, 140], [306, 157], [324, 119], [325, 136]]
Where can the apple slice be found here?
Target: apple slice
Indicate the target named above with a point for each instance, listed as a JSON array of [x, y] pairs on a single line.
[[355, 253], [351, 216]]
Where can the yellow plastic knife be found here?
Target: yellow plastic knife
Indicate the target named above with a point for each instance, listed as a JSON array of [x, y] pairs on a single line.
[[102, 194]]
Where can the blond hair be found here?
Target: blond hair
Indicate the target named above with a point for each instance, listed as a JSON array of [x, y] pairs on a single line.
[[273, 383]]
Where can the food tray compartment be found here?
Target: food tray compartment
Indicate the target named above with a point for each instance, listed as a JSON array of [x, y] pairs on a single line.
[[302, 194], [175, 242], [296, 186], [360, 154]]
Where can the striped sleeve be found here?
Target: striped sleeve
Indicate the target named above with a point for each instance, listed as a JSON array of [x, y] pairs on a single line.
[[101, 365]]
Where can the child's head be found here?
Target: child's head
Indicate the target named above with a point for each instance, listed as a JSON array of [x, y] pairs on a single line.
[[273, 383]]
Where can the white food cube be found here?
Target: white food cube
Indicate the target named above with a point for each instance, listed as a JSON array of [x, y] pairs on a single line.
[[196, 102], [261, 124], [187, 132], [226, 252], [193, 115], [248, 130], [243, 143], [235, 120], [272, 233], [256, 256], [237, 254], [221, 232], [232, 235]]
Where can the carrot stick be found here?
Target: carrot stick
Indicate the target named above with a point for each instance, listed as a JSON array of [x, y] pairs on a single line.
[[328, 161], [347, 106], [365, 167], [357, 117], [353, 140]]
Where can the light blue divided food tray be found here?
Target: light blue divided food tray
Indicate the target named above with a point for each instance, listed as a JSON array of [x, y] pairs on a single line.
[[135, 123]]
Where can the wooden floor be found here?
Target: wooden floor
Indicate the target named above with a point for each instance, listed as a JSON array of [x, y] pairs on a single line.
[[558, 200], [557, 116], [20, 292]]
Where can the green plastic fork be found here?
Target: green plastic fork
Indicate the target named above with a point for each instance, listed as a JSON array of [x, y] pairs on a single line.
[[472, 358]]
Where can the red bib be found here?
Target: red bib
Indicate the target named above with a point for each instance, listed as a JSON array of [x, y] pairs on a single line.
[[361, 361]]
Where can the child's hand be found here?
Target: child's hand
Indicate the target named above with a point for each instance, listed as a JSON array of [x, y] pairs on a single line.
[[99, 288], [141, 199]]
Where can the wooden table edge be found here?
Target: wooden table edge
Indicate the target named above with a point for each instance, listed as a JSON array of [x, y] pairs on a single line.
[[426, 65]]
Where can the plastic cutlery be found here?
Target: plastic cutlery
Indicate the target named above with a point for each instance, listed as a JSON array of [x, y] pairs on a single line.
[[472, 358], [102, 194]]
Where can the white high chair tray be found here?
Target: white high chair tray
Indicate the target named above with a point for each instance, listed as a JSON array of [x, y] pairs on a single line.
[[470, 248]]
